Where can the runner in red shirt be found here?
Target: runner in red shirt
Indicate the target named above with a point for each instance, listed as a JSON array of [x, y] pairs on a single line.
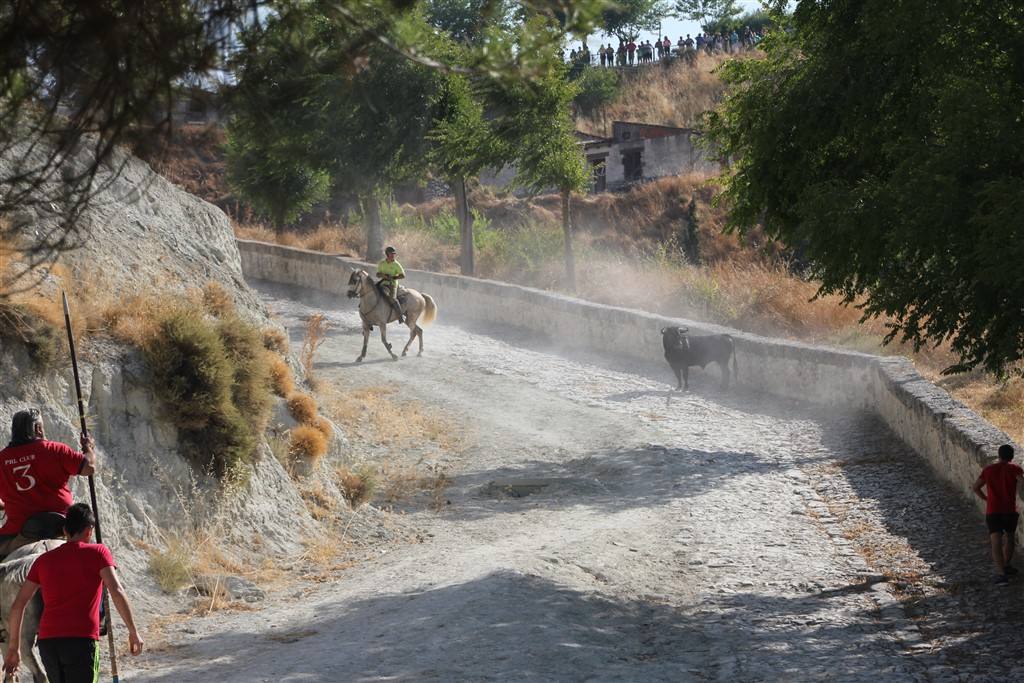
[[34, 476], [71, 577], [1000, 483]]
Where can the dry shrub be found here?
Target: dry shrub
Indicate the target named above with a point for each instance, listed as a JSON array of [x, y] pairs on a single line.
[[402, 482], [302, 407], [276, 340], [251, 388], [216, 300], [172, 567], [307, 443], [322, 506], [356, 486], [317, 326], [281, 380], [325, 427]]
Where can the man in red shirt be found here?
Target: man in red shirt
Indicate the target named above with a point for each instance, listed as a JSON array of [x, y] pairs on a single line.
[[34, 476], [1000, 483], [71, 577]]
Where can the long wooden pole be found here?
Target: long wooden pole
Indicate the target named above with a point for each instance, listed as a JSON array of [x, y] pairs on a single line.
[[92, 481]]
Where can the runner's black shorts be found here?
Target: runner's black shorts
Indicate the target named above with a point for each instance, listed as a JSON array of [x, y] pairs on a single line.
[[70, 660], [1002, 521]]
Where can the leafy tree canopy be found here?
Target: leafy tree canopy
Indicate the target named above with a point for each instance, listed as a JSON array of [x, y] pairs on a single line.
[[708, 13], [886, 139], [625, 19]]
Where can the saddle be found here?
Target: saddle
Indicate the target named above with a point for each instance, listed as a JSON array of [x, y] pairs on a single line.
[[402, 291]]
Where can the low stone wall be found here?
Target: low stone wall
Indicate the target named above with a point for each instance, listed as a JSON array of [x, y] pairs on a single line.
[[954, 440]]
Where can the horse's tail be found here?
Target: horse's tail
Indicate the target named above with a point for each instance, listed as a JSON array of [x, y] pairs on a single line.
[[430, 312]]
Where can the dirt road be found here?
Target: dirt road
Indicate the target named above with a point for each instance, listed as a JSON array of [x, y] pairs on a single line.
[[604, 528]]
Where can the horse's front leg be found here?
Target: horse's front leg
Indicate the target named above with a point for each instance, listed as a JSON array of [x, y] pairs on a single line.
[[366, 340], [412, 335], [384, 340]]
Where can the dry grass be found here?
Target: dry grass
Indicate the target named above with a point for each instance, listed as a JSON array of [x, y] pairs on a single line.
[[357, 486], [322, 506], [302, 407], [317, 326], [369, 413], [400, 482], [172, 567], [275, 340], [307, 443], [674, 94], [281, 380], [216, 300]]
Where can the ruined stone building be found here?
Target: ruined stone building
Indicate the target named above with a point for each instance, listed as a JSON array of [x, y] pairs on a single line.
[[635, 153]]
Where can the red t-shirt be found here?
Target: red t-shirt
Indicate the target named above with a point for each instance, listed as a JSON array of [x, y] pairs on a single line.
[[1001, 487], [69, 577], [34, 478]]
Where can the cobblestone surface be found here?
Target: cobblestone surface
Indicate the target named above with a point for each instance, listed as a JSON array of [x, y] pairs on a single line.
[[702, 536]]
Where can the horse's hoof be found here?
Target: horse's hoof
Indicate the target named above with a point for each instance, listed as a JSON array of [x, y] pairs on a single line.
[[419, 355], [404, 354], [359, 360], [394, 357]]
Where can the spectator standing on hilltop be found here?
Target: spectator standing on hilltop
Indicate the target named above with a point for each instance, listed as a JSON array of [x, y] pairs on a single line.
[[700, 42], [1000, 483], [631, 51], [734, 42], [689, 43], [666, 46], [601, 55], [620, 55]]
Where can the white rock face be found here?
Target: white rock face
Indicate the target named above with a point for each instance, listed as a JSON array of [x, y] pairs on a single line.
[[142, 234]]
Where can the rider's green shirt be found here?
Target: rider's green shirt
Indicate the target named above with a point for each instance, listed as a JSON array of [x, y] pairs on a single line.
[[394, 268]]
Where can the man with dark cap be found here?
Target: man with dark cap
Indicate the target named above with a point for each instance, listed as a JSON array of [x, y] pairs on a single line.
[[34, 475], [390, 271]]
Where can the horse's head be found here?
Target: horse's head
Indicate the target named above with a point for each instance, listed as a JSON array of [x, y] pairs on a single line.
[[355, 283]]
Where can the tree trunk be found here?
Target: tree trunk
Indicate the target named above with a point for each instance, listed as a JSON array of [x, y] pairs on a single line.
[[465, 217], [374, 234], [570, 260]]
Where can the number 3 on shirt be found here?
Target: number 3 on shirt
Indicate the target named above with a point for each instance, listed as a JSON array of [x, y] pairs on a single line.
[[26, 482]]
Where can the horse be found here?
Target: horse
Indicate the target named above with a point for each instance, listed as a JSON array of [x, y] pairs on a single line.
[[13, 572], [375, 309]]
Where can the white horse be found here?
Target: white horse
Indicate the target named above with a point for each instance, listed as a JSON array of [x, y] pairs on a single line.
[[375, 309], [13, 572]]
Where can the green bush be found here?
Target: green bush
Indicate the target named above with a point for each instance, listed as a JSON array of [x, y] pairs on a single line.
[[191, 370], [597, 89], [251, 390], [214, 378]]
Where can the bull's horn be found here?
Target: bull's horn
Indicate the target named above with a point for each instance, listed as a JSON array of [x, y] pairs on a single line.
[[683, 329], [664, 330]]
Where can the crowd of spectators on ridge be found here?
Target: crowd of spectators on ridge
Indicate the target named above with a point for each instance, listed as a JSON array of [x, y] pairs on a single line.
[[630, 53]]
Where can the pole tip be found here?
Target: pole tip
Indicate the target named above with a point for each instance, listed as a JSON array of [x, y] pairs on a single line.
[[64, 300]]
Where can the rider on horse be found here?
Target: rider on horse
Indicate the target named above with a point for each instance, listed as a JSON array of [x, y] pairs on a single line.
[[390, 272]]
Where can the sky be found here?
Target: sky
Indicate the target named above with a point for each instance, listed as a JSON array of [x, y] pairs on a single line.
[[670, 26]]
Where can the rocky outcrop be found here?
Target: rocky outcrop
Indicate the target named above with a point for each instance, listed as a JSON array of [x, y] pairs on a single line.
[[140, 234]]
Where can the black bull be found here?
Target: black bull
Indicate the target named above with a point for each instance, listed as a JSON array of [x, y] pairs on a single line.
[[683, 351]]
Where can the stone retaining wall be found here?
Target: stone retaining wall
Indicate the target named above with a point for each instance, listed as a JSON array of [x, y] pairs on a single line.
[[954, 440]]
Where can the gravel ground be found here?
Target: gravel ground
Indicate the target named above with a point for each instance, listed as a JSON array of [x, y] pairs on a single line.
[[700, 536]]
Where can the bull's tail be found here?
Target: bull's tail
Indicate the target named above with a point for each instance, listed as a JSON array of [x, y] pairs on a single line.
[[735, 368]]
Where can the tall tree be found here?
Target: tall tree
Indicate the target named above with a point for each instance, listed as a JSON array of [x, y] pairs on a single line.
[[464, 145], [707, 12], [886, 140], [625, 19], [536, 119]]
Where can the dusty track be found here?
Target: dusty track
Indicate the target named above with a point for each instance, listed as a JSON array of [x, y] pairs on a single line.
[[681, 537]]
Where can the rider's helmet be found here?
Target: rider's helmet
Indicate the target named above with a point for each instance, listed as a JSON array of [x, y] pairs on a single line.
[[390, 250]]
